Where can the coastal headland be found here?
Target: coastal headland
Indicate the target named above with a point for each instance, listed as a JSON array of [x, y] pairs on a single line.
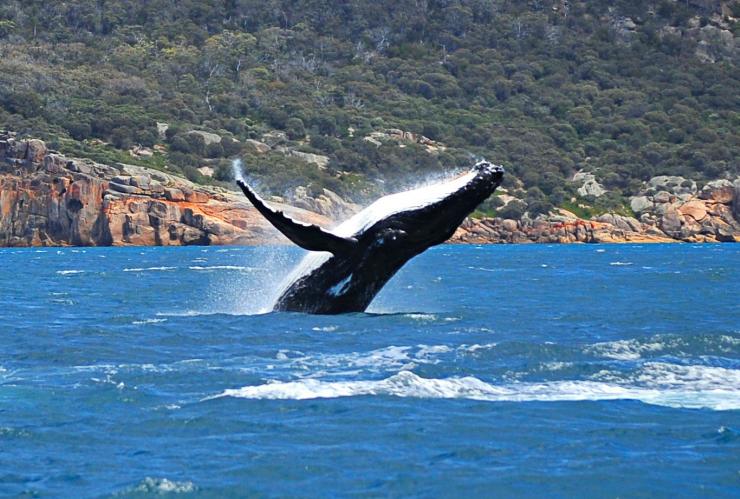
[[48, 199]]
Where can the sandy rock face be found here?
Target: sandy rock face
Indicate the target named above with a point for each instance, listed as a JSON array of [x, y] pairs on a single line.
[[721, 191]]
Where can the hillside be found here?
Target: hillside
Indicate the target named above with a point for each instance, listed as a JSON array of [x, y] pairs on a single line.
[[365, 97]]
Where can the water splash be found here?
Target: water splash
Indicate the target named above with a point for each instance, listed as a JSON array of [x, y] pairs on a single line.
[[236, 292], [236, 168]]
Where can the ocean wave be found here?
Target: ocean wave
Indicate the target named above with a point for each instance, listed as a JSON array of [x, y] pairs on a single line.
[[149, 269], [624, 349], [223, 267], [148, 321], [70, 272], [325, 329], [381, 360], [665, 376], [159, 486], [620, 264], [421, 317], [405, 384], [635, 349]]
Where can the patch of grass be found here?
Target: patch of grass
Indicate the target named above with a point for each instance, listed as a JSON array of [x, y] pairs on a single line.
[[579, 209]]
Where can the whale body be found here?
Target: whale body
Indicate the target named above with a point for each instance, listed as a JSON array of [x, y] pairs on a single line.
[[351, 263]]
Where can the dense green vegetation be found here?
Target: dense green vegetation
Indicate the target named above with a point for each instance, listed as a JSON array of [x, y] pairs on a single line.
[[544, 87]]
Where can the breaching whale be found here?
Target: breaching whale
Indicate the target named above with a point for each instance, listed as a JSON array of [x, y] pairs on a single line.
[[350, 264]]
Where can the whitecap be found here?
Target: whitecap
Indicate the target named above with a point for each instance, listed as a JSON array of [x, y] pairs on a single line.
[[555, 366], [476, 347], [325, 329], [160, 486], [422, 317], [222, 267], [149, 269], [620, 264], [70, 272], [486, 269], [380, 360], [426, 352], [624, 349], [186, 313], [716, 395], [148, 321]]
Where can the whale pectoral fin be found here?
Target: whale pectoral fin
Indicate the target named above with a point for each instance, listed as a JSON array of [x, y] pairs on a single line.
[[307, 236]]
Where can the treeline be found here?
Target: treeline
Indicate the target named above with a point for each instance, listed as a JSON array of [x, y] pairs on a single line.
[[545, 87]]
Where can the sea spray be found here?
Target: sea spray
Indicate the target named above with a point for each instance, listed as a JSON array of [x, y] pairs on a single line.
[[236, 168], [237, 292]]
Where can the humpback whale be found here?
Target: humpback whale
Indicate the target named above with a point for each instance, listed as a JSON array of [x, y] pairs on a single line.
[[349, 264]]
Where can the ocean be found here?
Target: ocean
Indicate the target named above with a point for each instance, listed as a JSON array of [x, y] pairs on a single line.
[[498, 371]]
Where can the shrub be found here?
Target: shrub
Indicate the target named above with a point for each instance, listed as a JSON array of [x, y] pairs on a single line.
[[214, 150], [514, 209], [295, 129]]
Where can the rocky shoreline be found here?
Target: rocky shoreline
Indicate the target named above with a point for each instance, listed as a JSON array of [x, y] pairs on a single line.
[[47, 199], [671, 209]]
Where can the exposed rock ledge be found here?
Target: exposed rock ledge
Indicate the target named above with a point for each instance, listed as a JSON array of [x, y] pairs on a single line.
[[47, 199], [710, 217]]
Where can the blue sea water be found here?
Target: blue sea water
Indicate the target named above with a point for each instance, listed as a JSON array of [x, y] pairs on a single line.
[[594, 371]]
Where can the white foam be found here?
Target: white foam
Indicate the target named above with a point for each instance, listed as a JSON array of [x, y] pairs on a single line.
[[148, 321], [476, 347], [70, 272], [149, 269], [223, 267], [422, 317], [620, 264], [190, 313], [708, 378], [160, 486], [325, 329], [555, 366], [724, 396], [379, 361], [624, 349]]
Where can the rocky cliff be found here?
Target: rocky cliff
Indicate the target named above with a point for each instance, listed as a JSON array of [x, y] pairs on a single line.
[[671, 209], [47, 199]]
